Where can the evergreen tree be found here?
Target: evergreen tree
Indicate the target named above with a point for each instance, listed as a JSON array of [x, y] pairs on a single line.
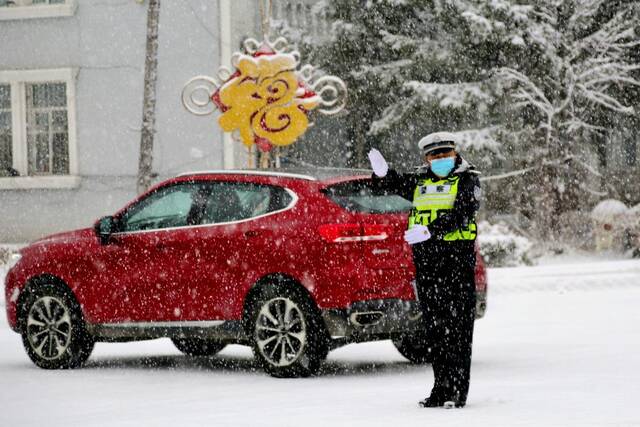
[[415, 67], [372, 66]]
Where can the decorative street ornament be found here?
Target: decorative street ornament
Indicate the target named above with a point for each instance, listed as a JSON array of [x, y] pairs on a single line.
[[267, 98]]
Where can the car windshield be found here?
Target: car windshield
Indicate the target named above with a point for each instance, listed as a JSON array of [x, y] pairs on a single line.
[[359, 196]]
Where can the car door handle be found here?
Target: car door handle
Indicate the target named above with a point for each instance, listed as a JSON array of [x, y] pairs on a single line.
[[251, 233], [380, 251]]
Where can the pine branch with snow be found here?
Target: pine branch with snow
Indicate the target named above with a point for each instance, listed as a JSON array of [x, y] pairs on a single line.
[[585, 67]]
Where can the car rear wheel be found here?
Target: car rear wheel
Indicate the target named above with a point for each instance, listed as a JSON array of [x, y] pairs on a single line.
[[289, 337], [198, 346], [53, 331], [415, 347]]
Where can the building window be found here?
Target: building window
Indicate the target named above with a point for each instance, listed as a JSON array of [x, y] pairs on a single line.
[[25, 9], [47, 129], [37, 129], [303, 16]]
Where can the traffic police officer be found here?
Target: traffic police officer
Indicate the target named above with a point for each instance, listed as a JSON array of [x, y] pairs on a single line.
[[442, 232]]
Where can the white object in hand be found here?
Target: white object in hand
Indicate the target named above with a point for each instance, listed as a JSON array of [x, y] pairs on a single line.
[[378, 163], [416, 234]]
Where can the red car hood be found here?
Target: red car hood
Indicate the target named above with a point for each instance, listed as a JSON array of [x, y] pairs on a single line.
[[64, 237]]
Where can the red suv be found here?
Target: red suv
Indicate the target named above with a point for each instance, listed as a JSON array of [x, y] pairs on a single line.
[[292, 264]]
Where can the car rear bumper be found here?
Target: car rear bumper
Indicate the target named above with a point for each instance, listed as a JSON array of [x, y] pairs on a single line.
[[481, 304], [381, 318], [366, 319]]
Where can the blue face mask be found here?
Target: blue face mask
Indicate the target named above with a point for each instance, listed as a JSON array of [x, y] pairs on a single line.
[[443, 167]]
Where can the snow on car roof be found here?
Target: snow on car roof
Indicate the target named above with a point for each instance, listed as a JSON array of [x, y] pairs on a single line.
[[311, 174]]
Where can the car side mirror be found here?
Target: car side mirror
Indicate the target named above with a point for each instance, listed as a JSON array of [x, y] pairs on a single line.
[[104, 228]]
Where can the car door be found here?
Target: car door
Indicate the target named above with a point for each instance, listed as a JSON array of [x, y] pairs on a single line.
[[231, 239], [143, 260]]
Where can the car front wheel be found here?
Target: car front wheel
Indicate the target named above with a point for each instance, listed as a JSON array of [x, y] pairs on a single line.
[[53, 332], [289, 337]]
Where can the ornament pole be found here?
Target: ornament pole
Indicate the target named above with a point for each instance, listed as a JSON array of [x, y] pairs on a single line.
[[265, 159], [250, 163], [265, 14]]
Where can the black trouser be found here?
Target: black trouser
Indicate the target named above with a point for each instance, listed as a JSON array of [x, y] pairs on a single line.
[[446, 289]]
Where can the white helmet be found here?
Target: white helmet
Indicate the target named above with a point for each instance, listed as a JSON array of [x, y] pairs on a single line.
[[437, 140]]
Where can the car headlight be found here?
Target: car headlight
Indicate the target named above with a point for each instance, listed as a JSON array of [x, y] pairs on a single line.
[[13, 260]]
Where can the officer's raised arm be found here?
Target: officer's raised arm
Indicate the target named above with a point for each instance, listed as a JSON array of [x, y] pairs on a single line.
[[378, 163], [388, 180]]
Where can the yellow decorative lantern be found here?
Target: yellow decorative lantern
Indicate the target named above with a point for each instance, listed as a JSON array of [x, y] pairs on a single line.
[[266, 100]]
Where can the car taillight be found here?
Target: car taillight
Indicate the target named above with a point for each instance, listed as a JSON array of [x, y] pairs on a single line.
[[375, 232], [339, 233], [480, 274]]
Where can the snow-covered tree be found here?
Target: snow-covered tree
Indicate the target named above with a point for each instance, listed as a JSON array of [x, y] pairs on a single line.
[[414, 67], [567, 89], [453, 84], [372, 66], [586, 59], [145, 164]]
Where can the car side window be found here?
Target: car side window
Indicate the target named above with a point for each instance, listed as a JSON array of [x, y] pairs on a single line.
[[168, 207], [229, 202], [280, 199]]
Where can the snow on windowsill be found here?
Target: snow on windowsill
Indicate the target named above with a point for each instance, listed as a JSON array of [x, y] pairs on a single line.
[[39, 182], [42, 11]]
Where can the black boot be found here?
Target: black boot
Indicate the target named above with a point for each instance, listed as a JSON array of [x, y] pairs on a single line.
[[458, 401], [431, 402], [454, 404]]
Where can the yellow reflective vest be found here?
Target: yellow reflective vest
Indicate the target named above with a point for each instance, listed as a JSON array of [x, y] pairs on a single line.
[[433, 197]]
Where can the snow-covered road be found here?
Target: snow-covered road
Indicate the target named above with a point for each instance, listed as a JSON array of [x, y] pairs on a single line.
[[559, 347]]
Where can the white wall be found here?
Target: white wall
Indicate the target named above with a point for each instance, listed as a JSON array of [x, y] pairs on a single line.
[[105, 40]]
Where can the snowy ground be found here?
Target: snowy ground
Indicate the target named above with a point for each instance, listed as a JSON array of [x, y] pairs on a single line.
[[559, 347]]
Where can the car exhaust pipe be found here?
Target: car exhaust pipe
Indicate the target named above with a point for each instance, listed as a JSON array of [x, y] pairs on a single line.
[[366, 318]]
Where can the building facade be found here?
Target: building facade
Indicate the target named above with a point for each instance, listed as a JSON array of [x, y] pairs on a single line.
[[71, 95]]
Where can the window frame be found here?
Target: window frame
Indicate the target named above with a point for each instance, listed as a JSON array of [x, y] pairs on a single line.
[[68, 8], [144, 202], [335, 193], [18, 79], [118, 216], [271, 188]]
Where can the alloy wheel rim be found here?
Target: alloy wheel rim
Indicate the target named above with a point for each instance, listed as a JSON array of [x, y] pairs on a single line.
[[281, 332], [49, 327]]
